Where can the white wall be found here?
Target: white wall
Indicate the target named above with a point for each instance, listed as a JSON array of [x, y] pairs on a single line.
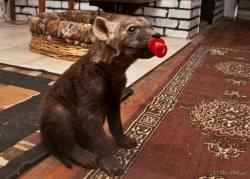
[[229, 8], [2, 11]]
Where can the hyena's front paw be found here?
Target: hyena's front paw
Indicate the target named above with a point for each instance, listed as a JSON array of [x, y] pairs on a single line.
[[110, 166], [86, 159], [126, 142]]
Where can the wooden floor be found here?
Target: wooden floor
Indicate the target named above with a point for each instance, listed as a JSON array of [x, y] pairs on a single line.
[[225, 33]]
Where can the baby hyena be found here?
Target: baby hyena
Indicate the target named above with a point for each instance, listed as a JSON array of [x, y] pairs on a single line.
[[75, 107]]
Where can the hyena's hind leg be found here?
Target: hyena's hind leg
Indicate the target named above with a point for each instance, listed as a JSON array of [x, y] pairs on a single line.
[[83, 140], [58, 135]]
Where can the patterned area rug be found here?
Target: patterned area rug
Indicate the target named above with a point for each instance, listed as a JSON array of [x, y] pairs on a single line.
[[198, 125], [20, 97]]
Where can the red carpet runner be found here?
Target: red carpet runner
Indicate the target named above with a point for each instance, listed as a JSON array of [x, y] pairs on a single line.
[[198, 126]]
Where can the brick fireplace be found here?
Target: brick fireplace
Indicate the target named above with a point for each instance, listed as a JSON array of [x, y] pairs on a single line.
[[175, 18]]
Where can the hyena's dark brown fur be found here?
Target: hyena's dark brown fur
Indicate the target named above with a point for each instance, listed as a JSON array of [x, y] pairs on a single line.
[[75, 107]]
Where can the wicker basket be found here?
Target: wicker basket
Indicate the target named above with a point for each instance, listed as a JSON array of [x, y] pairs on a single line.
[[65, 35], [57, 49]]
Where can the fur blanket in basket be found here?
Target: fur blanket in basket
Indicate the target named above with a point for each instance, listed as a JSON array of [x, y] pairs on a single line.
[[73, 27]]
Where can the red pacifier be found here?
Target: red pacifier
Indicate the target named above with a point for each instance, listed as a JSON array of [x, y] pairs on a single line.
[[158, 47]]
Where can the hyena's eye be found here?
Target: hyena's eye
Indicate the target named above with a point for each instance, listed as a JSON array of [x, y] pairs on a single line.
[[132, 29]]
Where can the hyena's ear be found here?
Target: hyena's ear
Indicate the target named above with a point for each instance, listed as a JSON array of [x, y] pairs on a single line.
[[104, 30]]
